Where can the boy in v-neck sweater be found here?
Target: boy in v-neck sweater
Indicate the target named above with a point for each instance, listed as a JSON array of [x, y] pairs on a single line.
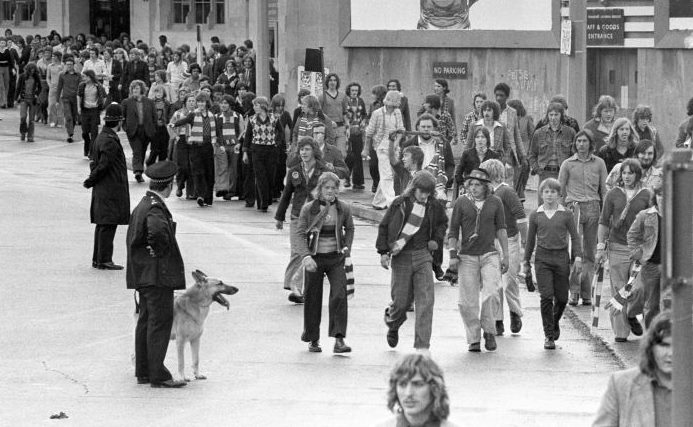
[[549, 227]]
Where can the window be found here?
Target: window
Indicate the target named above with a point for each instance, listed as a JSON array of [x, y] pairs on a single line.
[[181, 9], [43, 10], [219, 11], [202, 9], [25, 9], [7, 10]]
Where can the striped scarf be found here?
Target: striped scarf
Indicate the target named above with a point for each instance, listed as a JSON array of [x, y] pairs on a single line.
[[228, 127], [624, 213], [203, 127], [437, 168], [621, 297], [413, 224], [349, 270]]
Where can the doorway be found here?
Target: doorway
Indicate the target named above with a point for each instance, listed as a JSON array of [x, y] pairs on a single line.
[[613, 72], [109, 17]]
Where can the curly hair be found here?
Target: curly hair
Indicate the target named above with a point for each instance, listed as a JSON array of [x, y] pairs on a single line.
[[407, 368], [140, 84], [350, 85], [659, 329], [396, 82], [308, 140], [642, 112], [426, 116], [613, 137], [493, 106]]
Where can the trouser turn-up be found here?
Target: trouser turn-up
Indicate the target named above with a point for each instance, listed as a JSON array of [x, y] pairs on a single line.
[[478, 275]]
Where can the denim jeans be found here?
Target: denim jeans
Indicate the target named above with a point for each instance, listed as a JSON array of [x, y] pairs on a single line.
[[509, 284], [412, 280], [552, 268], [27, 110], [619, 272], [479, 274], [647, 292], [587, 230]]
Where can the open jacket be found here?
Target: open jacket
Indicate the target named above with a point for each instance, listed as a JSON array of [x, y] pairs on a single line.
[[100, 95], [396, 218], [643, 234], [308, 220], [627, 402], [501, 142], [298, 187]]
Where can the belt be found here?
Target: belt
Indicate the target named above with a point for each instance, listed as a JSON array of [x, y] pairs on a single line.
[[551, 168]]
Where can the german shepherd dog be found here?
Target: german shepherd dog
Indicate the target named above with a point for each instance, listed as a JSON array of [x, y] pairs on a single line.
[[190, 309]]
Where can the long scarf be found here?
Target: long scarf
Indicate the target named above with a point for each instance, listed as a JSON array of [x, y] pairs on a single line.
[[413, 224], [624, 213]]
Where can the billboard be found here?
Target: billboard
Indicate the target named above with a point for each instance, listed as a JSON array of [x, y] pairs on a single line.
[[394, 15], [680, 15]]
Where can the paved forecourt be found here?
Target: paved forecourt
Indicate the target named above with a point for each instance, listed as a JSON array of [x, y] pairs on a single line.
[[68, 328]]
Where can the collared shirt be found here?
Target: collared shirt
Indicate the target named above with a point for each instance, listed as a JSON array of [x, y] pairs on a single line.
[[91, 96], [428, 148], [547, 143], [552, 233], [651, 178], [177, 71], [583, 180], [97, 66]]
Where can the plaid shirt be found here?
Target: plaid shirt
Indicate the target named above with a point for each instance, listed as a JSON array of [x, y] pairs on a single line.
[[469, 120], [446, 127]]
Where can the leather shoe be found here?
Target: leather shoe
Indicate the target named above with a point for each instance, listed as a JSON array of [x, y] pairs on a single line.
[[169, 384], [573, 300], [549, 344], [340, 346], [109, 266], [586, 302], [500, 328], [515, 322], [392, 337], [440, 274], [94, 264], [490, 342], [179, 192], [142, 380], [619, 339], [314, 347], [556, 332], [475, 347], [138, 177], [297, 299], [635, 326]]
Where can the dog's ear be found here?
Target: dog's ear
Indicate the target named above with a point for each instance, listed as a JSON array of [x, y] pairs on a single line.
[[199, 276]]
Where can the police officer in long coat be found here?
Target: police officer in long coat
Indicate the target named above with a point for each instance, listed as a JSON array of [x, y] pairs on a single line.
[[110, 197], [155, 269]]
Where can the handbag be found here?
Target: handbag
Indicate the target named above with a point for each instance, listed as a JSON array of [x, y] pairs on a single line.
[[314, 231]]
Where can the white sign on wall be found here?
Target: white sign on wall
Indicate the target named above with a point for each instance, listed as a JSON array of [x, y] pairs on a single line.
[[520, 15], [313, 81]]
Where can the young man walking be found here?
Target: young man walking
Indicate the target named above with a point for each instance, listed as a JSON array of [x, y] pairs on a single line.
[[478, 219], [413, 227]]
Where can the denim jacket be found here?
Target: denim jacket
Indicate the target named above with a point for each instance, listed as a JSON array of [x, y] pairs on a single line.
[[643, 234], [344, 230]]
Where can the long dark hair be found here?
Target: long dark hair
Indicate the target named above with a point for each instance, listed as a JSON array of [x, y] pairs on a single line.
[[31, 70], [659, 329]]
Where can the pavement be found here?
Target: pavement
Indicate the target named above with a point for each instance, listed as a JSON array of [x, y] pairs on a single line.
[[68, 329]]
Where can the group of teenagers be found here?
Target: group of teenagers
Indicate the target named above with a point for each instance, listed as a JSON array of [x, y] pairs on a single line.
[[600, 199]]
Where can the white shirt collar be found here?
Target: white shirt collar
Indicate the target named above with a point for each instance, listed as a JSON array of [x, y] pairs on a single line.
[[559, 209]]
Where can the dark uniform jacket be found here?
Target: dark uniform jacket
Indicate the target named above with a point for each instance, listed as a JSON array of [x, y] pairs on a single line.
[[132, 120], [396, 218], [110, 198], [300, 188], [152, 227]]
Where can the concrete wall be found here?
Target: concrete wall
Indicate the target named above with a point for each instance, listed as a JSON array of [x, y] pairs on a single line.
[[534, 74], [665, 82]]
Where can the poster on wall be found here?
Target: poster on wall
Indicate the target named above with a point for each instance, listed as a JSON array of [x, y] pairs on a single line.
[[680, 15], [310, 80], [519, 15]]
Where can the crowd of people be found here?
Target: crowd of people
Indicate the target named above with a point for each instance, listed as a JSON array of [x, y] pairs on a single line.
[[600, 185]]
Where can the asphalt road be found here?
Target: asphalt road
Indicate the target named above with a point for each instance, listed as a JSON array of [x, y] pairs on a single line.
[[67, 329]]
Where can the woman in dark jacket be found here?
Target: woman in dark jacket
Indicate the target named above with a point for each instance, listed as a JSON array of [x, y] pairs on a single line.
[[301, 181], [110, 197], [324, 236], [473, 157]]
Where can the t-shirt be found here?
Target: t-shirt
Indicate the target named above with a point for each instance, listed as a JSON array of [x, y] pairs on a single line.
[[614, 203], [473, 239]]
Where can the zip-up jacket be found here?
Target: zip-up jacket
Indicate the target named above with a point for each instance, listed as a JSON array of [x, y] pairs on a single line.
[[396, 218]]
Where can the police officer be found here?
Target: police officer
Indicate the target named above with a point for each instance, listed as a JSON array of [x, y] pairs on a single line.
[[110, 197], [155, 269]]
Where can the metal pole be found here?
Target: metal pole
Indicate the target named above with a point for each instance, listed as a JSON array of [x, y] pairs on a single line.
[[678, 273], [262, 86], [577, 62]]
